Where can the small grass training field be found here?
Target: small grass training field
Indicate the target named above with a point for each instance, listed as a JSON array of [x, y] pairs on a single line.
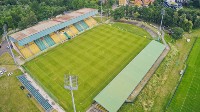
[[7, 62], [13, 99], [96, 57], [187, 97]]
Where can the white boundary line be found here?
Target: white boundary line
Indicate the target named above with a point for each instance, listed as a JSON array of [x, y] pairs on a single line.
[[187, 92]]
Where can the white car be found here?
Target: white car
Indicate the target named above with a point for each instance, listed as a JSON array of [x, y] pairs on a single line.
[[1, 72]]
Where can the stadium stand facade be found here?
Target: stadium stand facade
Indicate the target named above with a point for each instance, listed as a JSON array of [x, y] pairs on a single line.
[[33, 40], [42, 101]]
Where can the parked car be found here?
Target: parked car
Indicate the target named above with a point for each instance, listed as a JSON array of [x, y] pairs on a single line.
[[1, 72]]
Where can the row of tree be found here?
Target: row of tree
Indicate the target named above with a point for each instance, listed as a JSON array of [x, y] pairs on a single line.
[[25, 13], [187, 19], [194, 3]]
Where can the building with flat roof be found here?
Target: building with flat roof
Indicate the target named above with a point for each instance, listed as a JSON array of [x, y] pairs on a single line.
[[123, 2], [136, 2]]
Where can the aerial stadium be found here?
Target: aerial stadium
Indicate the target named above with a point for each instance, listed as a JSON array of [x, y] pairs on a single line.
[[109, 61]]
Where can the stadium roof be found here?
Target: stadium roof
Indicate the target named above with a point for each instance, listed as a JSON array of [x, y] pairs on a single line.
[[46, 27], [118, 90]]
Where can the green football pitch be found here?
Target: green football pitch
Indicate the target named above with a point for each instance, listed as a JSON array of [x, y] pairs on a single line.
[[187, 97], [95, 56]]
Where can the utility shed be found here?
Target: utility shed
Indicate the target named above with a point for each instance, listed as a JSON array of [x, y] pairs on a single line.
[[117, 91]]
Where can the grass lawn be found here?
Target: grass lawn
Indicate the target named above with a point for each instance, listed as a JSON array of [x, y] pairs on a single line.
[[6, 59], [13, 99], [96, 56], [158, 91], [98, 19], [187, 96], [7, 62]]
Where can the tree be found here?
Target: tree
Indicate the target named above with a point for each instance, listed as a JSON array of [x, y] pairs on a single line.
[[175, 18], [177, 33], [188, 26], [195, 3], [118, 13], [182, 20], [11, 2], [197, 23], [185, 23], [136, 15], [27, 20]]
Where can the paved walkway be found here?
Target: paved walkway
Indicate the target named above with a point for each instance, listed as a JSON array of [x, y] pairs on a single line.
[[4, 48], [43, 93]]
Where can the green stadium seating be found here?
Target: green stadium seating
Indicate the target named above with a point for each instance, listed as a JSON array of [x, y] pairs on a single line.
[[84, 24], [40, 44], [49, 40], [68, 37], [80, 29], [42, 101]]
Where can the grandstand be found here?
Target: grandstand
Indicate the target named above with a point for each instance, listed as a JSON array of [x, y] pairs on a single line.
[[42, 101], [38, 38], [118, 90]]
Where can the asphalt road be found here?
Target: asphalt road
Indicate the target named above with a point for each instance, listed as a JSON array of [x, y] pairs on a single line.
[[4, 48]]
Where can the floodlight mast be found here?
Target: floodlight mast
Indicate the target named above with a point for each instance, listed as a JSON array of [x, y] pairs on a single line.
[[162, 13], [101, 9], [69, 85], [70, 80]]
